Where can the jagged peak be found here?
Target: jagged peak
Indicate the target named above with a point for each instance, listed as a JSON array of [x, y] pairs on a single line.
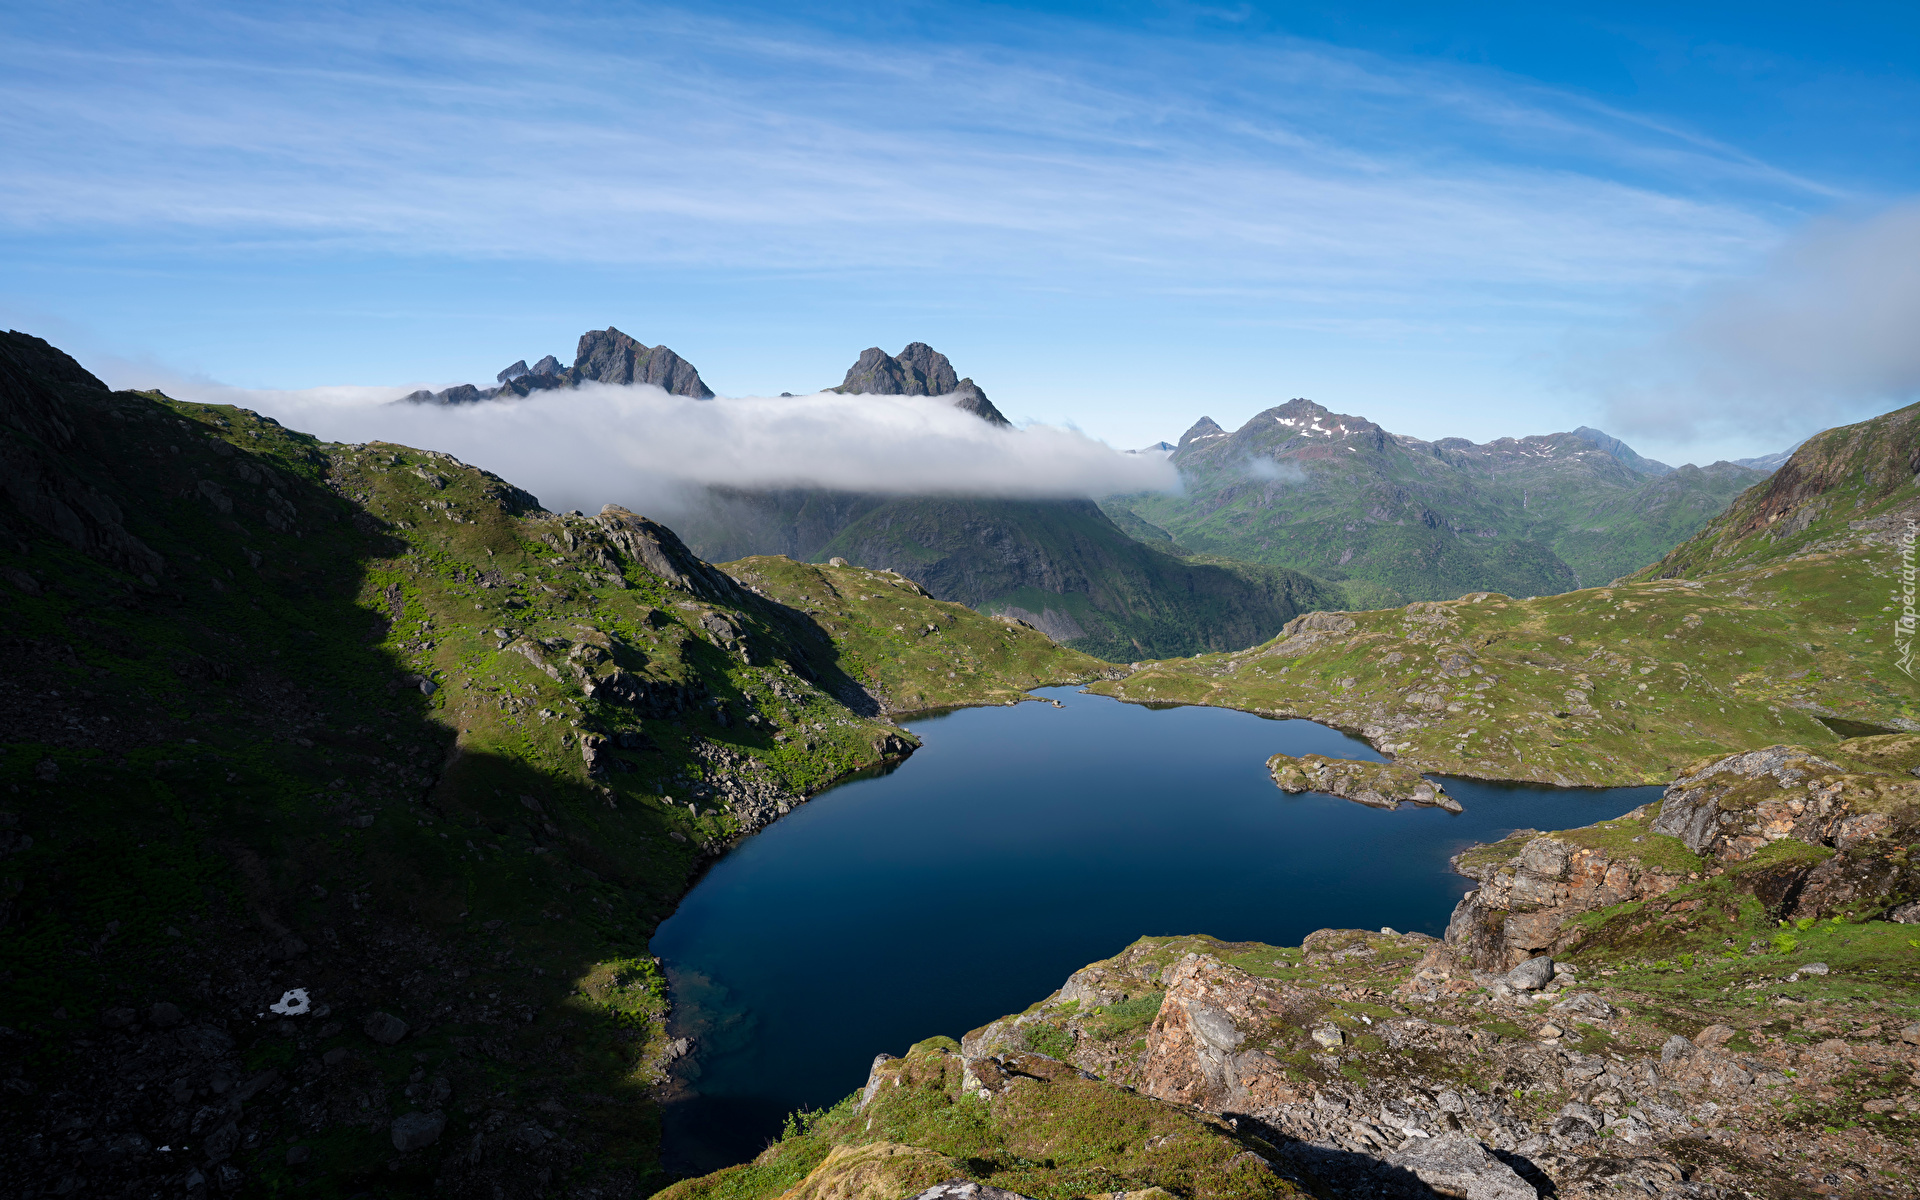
[[918, 370], [1205, 427]]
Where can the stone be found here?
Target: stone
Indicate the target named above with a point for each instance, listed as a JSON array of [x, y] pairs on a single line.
[[841, 562], [1714, 1035], [118, 1018], [1572, 1131], [1530, 975], [1457, 1165], [1911, 1034], [966, 1189], [164, 1016], [221, 1142], [1676, 1048], [297, 1155], [873, 1080], [1812, 968], [1329, 1037], [1584, 1004], [335, 1056], [1905, 914], [384, 1028], [417, 1130]]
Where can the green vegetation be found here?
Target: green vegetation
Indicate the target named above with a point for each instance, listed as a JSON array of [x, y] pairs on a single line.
[[1399, 519], [1109, 595], [918, 652], [1617, 685], [1036, 1129]]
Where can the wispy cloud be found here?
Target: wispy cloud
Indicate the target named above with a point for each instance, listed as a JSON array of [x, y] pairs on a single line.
[[664, 136]]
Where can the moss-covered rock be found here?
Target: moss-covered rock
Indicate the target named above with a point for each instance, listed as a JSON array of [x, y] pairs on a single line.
[[1380, 785]]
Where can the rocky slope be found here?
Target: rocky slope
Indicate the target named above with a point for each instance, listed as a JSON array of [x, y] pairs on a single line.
[[1771, 624], [1705, 998], [344, 786], [1337, 495]]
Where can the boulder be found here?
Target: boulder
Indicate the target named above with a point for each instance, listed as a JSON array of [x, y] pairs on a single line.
[[384, 1028], [417, 1130], [1457, 1165], [1530, 975], [164, 1016]]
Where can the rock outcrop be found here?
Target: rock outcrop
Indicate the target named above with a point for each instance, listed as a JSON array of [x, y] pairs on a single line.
[[609, 356], [1806, 836], [603, 356], [1379, 785], [918, 370]]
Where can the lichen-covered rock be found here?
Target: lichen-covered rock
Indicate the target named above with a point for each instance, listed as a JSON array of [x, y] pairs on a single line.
[[1381, 785]]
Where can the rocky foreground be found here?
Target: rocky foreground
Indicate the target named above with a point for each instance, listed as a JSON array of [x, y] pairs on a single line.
[[1710, 997]]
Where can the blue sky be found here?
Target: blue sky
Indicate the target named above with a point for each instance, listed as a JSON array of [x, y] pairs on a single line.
[[1457, 220]]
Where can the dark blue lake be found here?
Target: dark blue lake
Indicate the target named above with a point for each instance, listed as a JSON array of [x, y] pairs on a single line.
[[1016, 846]]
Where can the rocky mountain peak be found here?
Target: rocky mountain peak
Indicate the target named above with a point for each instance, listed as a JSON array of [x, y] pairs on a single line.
[[1205, 427], [918, 370], [610, 356], [604, 356], [1620, 450]]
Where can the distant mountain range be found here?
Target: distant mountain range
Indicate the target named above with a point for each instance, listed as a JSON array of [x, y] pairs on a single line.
[[1337, 496], [1301, 508]]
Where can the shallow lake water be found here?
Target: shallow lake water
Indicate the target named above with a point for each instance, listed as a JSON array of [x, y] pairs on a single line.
[[1016, 846]]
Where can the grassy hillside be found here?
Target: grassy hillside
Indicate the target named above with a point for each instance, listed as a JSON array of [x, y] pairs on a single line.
[[1064, 567], [368, 722], [1771, 624], [1341, 498]]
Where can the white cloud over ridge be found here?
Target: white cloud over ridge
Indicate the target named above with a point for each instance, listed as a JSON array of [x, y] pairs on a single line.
[[640, 447]]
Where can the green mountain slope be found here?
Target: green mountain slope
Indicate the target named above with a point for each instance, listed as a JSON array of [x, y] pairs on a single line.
[[1062, 566], [1778, 622], [1340, 497], [367, 722]]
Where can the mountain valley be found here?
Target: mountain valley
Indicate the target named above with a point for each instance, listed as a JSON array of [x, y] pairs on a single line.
[[346, 785]]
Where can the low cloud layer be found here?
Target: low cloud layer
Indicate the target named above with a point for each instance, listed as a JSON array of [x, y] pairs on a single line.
[[1828, 332], [643, 448]]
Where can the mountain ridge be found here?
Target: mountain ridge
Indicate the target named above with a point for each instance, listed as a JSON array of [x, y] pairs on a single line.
[[1339, 496], [602, 356]]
